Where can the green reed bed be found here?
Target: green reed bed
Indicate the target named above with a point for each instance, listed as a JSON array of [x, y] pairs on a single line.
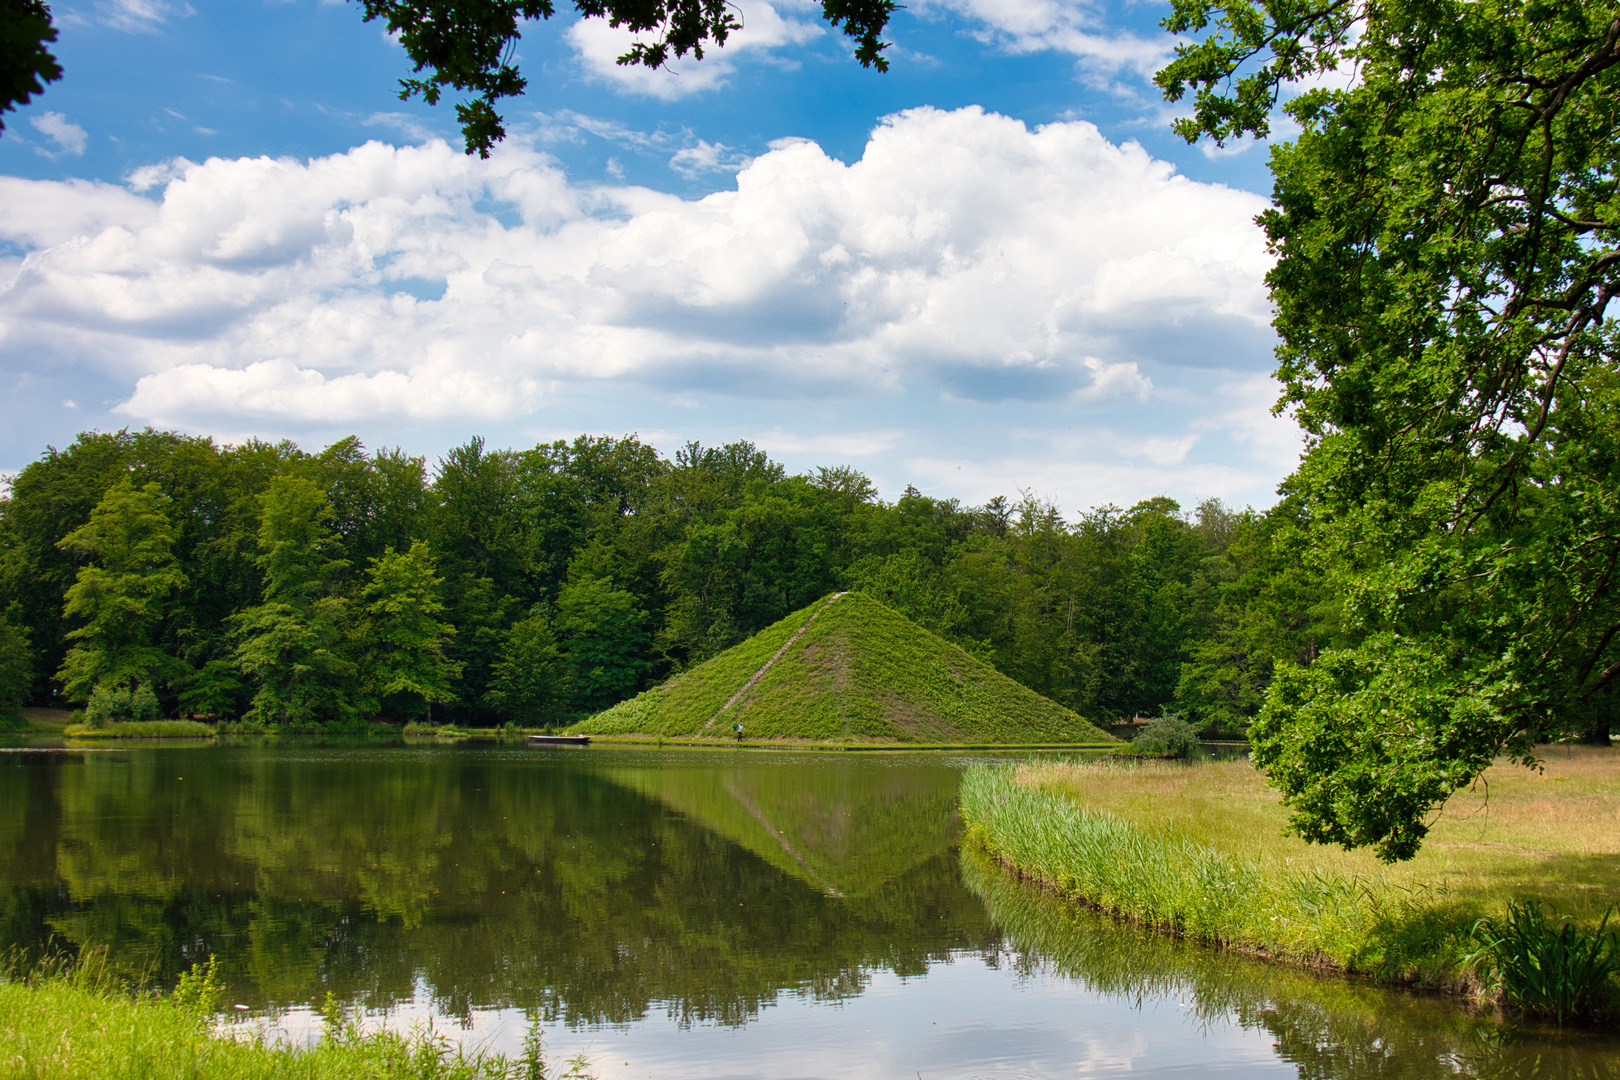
[[81, 1024], [1175, 884]]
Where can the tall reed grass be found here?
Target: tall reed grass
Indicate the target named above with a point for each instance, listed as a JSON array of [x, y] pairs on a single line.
[[1559, 972], [1174, 884]]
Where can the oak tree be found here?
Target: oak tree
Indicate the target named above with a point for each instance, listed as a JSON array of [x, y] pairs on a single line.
[[1447, 237]]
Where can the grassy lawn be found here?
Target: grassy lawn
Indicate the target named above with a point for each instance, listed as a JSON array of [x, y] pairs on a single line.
[[1552, 835]]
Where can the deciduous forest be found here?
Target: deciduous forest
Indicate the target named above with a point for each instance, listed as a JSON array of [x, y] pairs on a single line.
[[147, 573]]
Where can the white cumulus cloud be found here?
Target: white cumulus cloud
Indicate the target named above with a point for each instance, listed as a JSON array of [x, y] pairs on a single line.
[[964, 256]]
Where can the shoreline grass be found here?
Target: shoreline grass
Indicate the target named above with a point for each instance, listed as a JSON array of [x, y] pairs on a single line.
[[1198, 851], [675, 742], [80, 1023], [142, 729], [1176, 885]]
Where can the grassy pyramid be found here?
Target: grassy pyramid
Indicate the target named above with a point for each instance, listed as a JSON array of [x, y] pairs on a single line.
[[846, 669]]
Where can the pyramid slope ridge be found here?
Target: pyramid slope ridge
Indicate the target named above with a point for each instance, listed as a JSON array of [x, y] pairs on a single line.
[[846, 669]]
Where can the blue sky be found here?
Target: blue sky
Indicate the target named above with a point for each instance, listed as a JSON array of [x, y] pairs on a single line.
[[990, 270]]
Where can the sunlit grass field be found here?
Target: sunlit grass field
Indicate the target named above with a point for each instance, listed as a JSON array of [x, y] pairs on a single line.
[[1202, 850], [1552, 834]]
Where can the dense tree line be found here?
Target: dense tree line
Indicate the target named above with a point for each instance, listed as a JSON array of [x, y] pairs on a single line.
[[146, 573]]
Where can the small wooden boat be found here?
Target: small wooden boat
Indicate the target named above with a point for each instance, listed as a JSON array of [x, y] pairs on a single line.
[[560, 740]]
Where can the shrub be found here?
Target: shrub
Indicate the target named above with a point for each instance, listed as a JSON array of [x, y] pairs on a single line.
[[117, 703], [1168, 736], [1562, 973]]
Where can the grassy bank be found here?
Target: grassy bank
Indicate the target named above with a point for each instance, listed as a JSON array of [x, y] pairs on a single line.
[[141, 729], [1198, 851], [37, 720], [81, 1025]]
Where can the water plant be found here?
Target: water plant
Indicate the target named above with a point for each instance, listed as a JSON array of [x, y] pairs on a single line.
[[1546, 968]]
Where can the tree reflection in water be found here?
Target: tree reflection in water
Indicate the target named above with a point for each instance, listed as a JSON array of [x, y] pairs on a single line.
[[1328, 1027], [585, 892], [605, 886]]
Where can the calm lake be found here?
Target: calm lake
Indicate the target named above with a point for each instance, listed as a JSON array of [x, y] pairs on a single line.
[[669, 913]]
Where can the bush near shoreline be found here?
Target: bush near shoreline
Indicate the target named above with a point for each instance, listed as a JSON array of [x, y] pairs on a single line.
[[1199, 852]]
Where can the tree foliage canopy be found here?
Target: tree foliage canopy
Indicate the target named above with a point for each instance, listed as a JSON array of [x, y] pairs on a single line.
[[469, 44], [1446, 230], [119, 596], [26, 61]]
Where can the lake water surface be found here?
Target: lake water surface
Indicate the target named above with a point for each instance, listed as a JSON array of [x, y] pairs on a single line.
[[671, 914]]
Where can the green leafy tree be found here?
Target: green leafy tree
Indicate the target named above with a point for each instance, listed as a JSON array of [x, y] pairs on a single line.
[[603, 633], [910, 584], [296, 646], [406, 667], [26, 62], [480, 618], [1447, 233], [49, 498], [119, 597], [531, 675], [16, 670], [215, 689], [1270, 606]]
